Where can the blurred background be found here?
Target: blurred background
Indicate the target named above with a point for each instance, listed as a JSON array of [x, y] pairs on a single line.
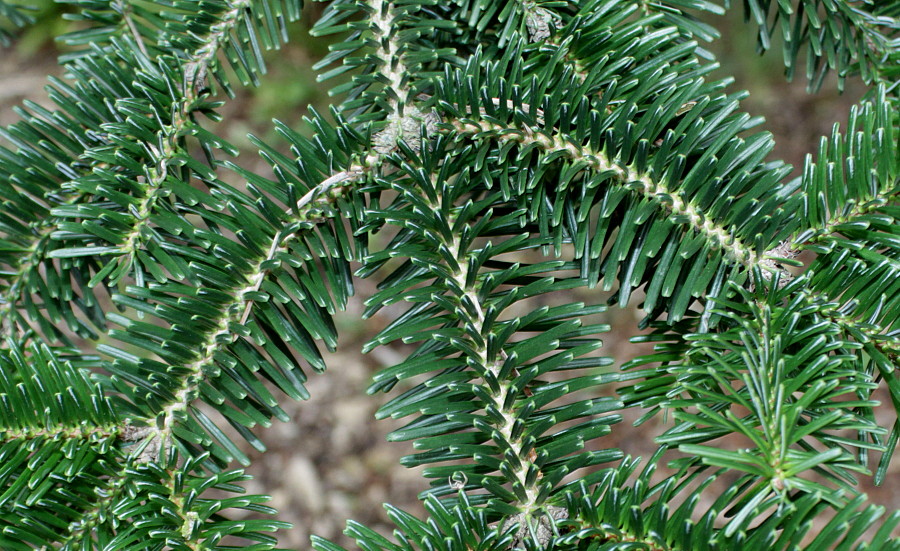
[[332, 462]]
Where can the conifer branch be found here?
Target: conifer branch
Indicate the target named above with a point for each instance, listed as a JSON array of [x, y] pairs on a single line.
[[310, 205], [477, 325], [824, 234], [829, 308], [586, 127], [205, 56], [171, 136], [308, 212], [606, 534], [718, 236], [189, 518], [61, 432], [864, 163]]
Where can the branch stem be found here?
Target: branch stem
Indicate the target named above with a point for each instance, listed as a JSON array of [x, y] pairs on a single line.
[[393, 67]]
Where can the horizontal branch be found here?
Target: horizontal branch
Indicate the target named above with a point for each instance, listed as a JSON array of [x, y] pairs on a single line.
[[604, 534], [57, 432], [719, 237], [810, 237], [323, 194], [829, 308]]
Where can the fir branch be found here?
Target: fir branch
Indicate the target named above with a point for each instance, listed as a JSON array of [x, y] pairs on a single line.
[[303, 218], [564, 131], [221, 344], [191, 536], [864, 330], [164, 506], [314, 202], [78, 431], [610, 535], [95, 133], [171, 137], [854, 175], [492, 383], [396, 54], [468, 294], [42, 397], [35, 174], [46, 409], [719, 237], [828, 233], [204, 57]]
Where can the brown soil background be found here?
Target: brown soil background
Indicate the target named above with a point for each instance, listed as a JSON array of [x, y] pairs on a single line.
[[332, 462]]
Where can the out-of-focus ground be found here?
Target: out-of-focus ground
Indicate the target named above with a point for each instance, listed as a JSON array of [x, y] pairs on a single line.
[[332, 462]]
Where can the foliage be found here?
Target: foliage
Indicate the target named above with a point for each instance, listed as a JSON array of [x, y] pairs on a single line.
[[480, 159], [15, 16]]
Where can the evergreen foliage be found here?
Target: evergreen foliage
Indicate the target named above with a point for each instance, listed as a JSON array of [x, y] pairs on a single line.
[[15, 16], [508, 151]]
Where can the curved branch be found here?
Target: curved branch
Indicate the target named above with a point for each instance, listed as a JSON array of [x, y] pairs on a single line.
[[719, 237]]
